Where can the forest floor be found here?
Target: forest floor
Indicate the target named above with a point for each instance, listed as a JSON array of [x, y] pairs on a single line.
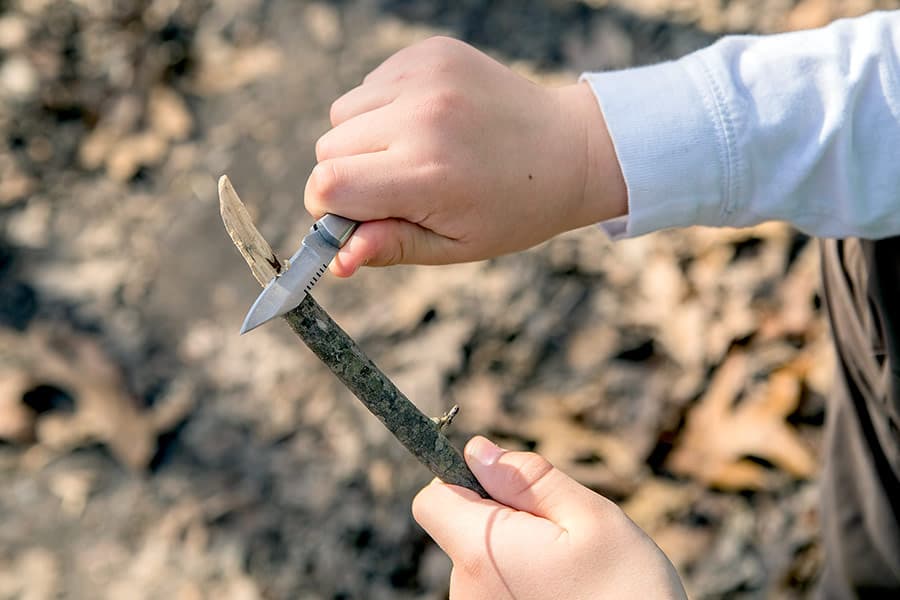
[[148, 451]]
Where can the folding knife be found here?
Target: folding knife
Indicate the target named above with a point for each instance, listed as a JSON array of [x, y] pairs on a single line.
[[306, 266]]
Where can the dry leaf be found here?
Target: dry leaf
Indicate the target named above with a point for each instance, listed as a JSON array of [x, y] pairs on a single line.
[[73, 489], [324, 24], [225, 68], [718, 437], [16, 419], [602, 461], [129, 154], [796, 313], [13, 32], [654, 504], [122, 118], [684, 545], [168, 113], [15, 186], [589, 347], [33, 574], [104, 411], [96, 146], [809, 14]]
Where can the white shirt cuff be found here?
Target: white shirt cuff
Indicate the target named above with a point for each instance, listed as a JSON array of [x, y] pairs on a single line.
[[670, 135]]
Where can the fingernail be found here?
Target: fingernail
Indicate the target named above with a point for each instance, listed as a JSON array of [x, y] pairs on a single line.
[[484, 451]]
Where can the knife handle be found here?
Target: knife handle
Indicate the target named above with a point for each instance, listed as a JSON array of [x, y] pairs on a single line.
[[336, 230]]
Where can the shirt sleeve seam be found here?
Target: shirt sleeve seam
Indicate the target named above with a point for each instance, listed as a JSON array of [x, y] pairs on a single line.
[[728, 155]]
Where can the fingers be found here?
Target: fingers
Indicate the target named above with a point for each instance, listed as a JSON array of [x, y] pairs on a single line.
[[384, 83], [363, 187], [468, 527], [361, 99], [392, 242], [443, 510], [527, 482], [380, 87], [364, 133], [370, 187], [533, 503]]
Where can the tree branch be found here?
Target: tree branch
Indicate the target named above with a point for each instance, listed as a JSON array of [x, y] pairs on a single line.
[[421, 435]]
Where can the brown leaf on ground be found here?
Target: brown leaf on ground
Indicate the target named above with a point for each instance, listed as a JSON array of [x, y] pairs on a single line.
[[719, 438], [121, 118], [604, 461], [32, 574], [104, 410], [655, 507], [225, 68], [129, 154], [796, 312], [168, 113], [657, 501], [16, 419], [809, 14], [684, 545]]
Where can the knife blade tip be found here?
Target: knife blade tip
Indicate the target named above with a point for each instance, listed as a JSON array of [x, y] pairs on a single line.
[[252, 321]]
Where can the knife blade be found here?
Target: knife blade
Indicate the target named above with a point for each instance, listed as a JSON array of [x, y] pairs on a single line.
[[286, 290]]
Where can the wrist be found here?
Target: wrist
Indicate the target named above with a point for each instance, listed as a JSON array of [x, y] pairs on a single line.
[[598, 187]]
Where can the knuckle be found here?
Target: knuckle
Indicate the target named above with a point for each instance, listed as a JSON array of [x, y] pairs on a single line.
[[532, 469], [322, 148], [448, 101], [444, 55], [439, 44], [310, 205], [310, 202], [401, 251], [335, 112], [324, 180], [395, 64], [611, 522], [439, 107], [432, 55]]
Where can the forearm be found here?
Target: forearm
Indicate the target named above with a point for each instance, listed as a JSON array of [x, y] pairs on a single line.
[[801, 127]]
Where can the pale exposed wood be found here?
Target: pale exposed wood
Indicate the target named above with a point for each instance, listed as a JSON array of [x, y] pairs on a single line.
[[246, 237]]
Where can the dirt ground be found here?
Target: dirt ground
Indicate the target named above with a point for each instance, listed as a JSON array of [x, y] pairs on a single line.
[[148, 451]]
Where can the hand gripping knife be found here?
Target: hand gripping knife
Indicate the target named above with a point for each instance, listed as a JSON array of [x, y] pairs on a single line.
[[306, 266]]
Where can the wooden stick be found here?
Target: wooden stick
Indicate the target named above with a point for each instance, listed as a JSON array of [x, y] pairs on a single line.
[[421, 435]]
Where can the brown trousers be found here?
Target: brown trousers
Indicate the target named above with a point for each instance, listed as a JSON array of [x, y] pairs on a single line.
[[861, 477]]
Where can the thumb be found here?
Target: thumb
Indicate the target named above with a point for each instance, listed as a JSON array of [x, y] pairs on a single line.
[[391, 242], [527, 481]]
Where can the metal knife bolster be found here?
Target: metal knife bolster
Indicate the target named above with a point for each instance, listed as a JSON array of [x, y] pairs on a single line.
[[326, 236], [336, 230]]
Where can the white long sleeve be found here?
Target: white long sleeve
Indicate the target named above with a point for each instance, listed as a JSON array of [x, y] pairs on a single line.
[[802, 127]]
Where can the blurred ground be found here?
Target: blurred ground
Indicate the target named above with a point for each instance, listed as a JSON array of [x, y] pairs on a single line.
[[146, 451]]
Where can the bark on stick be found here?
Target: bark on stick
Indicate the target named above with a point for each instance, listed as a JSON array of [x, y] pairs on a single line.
[[419, 433]]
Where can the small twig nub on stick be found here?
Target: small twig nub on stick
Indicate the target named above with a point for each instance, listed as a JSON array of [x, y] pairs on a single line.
[[421, 435]]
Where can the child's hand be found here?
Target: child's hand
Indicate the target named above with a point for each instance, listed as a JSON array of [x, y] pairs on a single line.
[[550, 537], [452, 157]]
